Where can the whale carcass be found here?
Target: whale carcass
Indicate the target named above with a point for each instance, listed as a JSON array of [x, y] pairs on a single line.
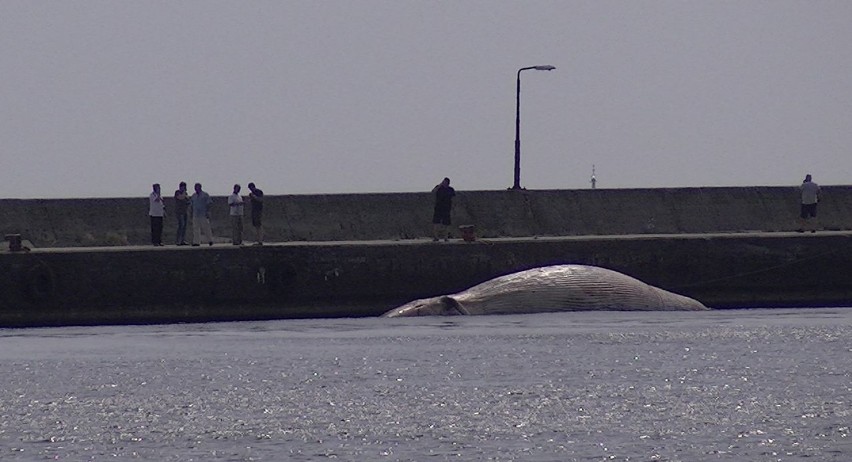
[[551, 289]]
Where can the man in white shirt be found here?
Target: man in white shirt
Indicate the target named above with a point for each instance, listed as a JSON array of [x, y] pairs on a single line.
[[156, 210], [235, 204], [810, 197]]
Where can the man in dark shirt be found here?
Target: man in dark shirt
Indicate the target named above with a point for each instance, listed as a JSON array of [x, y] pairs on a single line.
[[443, 206], [256, 198], [181, 208]]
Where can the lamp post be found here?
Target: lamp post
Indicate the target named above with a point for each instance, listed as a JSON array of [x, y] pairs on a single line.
[[517, 184]]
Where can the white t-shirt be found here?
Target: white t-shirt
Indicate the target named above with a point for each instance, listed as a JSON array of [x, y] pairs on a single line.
[[156, 206], [237, 210]]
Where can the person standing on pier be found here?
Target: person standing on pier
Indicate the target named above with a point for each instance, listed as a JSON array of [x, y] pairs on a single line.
[[443, 207], [156, 210], [810, 197], [256, 199], [181, 213], [201, 203], [235, 204]]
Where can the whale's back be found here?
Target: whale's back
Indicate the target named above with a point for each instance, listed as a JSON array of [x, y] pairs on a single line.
[[569, 288]]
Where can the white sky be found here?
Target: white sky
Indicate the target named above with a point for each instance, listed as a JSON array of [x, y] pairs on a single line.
[[101, 98]]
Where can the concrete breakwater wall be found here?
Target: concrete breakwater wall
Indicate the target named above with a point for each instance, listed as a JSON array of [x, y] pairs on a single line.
[[125, 285], [124, 221]]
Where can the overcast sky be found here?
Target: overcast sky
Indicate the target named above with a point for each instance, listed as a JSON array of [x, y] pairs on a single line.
[[103, 98]]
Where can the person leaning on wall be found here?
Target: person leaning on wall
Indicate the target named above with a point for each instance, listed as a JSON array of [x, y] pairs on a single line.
[[443, 209], [808, 211]]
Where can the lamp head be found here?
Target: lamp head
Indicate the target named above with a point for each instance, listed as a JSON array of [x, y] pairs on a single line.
[[544, 68]]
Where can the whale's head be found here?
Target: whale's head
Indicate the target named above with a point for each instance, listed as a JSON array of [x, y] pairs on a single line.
[[435, 306]]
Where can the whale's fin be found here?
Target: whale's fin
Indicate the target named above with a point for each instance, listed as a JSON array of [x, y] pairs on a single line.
[[453, 307]]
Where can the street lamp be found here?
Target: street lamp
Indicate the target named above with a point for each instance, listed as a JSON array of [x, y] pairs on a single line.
[[517, 184]]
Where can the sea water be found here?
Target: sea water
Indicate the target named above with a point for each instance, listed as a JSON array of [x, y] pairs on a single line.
[[754, 385]]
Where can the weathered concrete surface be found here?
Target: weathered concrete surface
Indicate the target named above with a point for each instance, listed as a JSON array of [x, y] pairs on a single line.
[[179, 284], [109, 222]]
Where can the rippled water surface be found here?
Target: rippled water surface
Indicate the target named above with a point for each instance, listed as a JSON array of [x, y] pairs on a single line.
[[723, 385]]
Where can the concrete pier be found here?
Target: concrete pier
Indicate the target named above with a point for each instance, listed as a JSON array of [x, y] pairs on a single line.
[[360, 255], [127, 285]]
